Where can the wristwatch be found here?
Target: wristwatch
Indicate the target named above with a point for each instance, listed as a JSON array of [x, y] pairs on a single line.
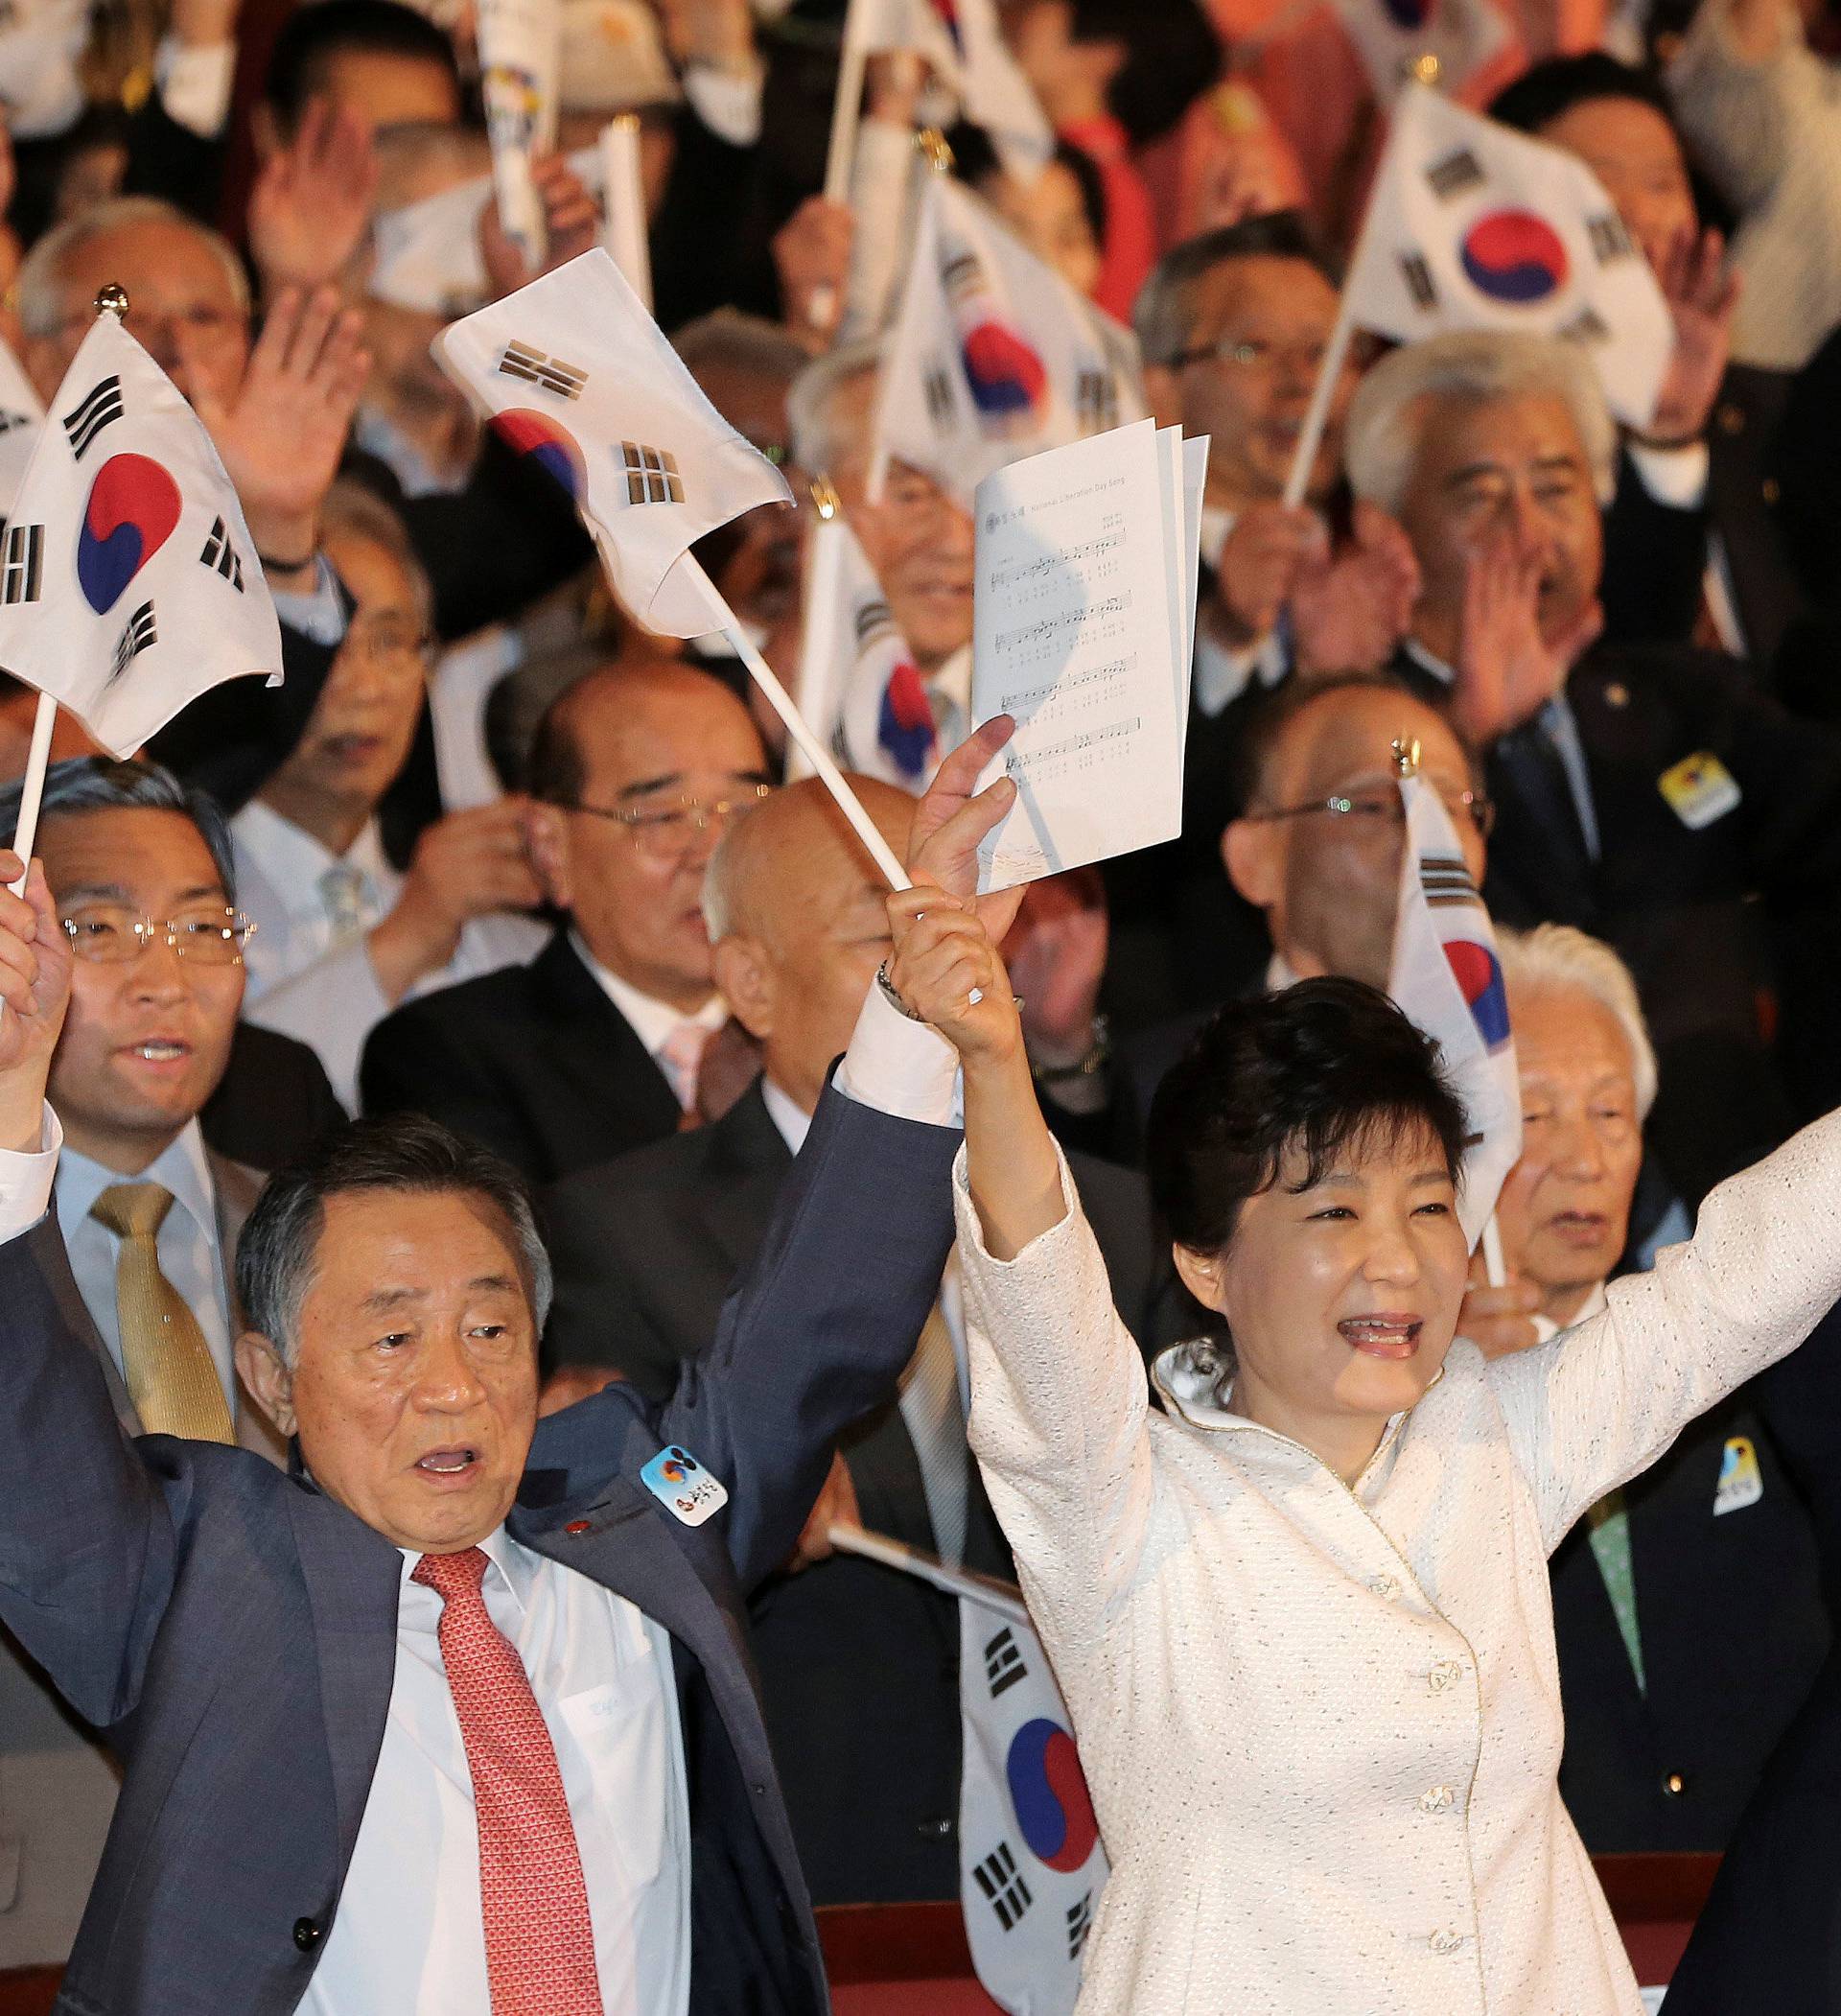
[[890, 995]]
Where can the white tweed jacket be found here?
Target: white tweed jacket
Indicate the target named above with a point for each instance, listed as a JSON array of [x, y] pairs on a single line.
[[1321, 1725]]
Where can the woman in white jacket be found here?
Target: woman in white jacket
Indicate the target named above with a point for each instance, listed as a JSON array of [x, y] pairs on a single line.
[[1301, 1620]]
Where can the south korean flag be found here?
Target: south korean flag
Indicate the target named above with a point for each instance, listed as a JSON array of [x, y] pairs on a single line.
[[21, 418], [128, 583]]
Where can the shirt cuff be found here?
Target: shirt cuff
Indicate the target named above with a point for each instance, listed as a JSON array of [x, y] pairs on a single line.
[[26, 1180], [900, 1067], [727, 101], [318, 614], [1222, 673], [194, 83], [1675, 476]]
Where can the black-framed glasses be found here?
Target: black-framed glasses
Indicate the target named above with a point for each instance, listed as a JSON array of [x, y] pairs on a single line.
[[1254, 353], [668, 831], [111, 934], [1388, 808]]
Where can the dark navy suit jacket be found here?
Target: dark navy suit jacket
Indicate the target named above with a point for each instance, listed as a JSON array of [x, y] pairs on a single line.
[[233, 1631]]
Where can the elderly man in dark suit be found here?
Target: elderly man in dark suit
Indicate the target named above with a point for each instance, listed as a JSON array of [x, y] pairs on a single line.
[[453, 1714], [859, 1664]]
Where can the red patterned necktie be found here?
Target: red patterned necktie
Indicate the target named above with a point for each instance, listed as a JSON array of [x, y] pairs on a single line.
[[540, 1942]]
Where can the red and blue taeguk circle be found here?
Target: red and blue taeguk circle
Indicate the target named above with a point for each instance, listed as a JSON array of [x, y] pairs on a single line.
[[904, 722], [552, 448], [1479, 974], [1048, 1790], [133, 506], [1006, 376], [1514, 256]]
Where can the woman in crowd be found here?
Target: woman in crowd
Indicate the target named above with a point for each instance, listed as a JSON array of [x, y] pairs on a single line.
[[1302, 1621]]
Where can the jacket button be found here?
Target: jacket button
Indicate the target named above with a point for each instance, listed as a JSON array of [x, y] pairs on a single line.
[[1444, 1942], [576, 1526], [1674, 1785], [1771, 490], [1385, 1586], [306, 1935], [1436, 1800], [1447, 1672], [1731, 419]]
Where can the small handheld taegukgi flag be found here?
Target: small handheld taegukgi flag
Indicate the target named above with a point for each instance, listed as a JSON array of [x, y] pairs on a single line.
[[993, 356], [1471, 225], [572, 373], [129, 581], [962, 42]]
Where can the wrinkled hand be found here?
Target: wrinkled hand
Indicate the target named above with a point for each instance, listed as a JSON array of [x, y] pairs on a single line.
[[571, 226], [35, 962], [719, 33], [1702, 296], [1507, 671], [1349, 612], [313, 200], [1499, 1321], [570, 1383], [1260, 564], [730, 1064], [949, 823], [836, 1506], [283, 433], [812, 258], [1056, 956]]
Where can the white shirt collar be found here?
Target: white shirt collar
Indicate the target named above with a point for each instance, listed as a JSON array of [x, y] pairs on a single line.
[[293, 860], [652, 1020], [1594, 1304], [792, 1120], [1278, 973], [516, 1566], [180, 1167]]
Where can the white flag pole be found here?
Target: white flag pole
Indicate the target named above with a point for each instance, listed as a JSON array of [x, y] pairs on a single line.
[[32, 787], [847, 109], [1318, 413], [809, 746], [931, 142], [625, 198], [818, 639], [1002, 1597]]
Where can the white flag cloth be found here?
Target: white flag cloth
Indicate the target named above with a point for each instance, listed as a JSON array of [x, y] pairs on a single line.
[[964, 45], [1390, 36], [21, 420], [572, 373], [1447, 978], [993, 356], [858, 684], [129, 581], [1471, 225], [1030, 1859], [520, 50]]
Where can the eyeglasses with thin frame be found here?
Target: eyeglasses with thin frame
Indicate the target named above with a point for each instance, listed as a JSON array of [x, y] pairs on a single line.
[[667, 832], [110, 934], [1250, 353], [392, 641], [1389, 806]]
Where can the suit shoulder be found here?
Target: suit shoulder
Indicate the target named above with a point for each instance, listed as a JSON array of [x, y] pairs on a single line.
[[674, 1164], [449, 1011]]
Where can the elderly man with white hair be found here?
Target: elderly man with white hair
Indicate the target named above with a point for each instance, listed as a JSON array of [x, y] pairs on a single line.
[[1686, 1606], [1645, 793]]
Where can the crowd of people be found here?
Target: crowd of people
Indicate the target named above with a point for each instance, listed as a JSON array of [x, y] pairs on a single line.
[[421, 1113]]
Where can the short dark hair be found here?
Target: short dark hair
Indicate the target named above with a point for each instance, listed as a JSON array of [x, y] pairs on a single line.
[[99, 784], [1172, 54], [556, 771], [1550, 89], [1322, 1067], [1269, 720], [279, 1244], [312, 35], [1164, 311]]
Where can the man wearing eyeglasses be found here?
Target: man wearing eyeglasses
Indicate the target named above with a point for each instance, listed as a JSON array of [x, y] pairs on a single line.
[[608, 1039]]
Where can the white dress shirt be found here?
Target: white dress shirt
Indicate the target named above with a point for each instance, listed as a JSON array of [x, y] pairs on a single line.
[[186, 1245], [408, 1938], [652, 1020], [1224, 671], [310, 983]]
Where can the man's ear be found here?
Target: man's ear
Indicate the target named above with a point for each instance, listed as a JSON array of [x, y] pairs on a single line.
[[745, 980], [546, 842], [1201, 1274], [267, 1379], [1251, 853]]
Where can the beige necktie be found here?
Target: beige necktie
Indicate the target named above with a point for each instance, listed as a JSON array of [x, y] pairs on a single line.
[[936, 1425], [171, 1376]]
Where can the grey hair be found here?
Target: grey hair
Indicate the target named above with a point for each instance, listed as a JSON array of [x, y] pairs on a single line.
[[1164, 313], [748, 342], [816, 440], [1387, 416], [40, 283], [354, 507], [277, 1252], [721, 872], [99, 784], [1557, 955]]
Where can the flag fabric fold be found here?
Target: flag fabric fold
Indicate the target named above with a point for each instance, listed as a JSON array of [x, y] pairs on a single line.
[[992, 355], [962, 42], [574, 374], [129, 581], [22, 418], [1447, 979], [1471, 225]]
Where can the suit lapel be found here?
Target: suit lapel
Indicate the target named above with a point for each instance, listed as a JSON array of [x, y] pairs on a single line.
[[595, 1045], [747, 1164]]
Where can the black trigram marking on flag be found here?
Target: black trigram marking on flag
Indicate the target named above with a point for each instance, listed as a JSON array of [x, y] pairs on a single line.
[[521, 361], [88, 419], [1446, 881], [873, 618], [1095, 401], [1588, 326], [1417, 275], [941, 405], [137, 634], [21, 557], [1003, 1889], [8, 420], [1610, 240], [220, 557], [1080, 1922], [1004, 1664], [1454, 174], [960, 275], [651, 475]]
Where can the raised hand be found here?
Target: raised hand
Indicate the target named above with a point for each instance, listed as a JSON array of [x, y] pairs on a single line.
[[1702, 296], [1056, 953], [464, 866], [571, 226], [1499, 1321], [36, 960], [281, 434], [812, 258], [1507, 670], [950, 822], [313, 200], [1260, 565], [1350, 612]]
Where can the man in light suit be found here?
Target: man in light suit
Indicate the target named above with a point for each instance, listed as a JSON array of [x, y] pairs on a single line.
[[390, 1720]]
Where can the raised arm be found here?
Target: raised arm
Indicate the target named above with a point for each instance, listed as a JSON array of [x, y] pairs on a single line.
[[86, 1542]]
